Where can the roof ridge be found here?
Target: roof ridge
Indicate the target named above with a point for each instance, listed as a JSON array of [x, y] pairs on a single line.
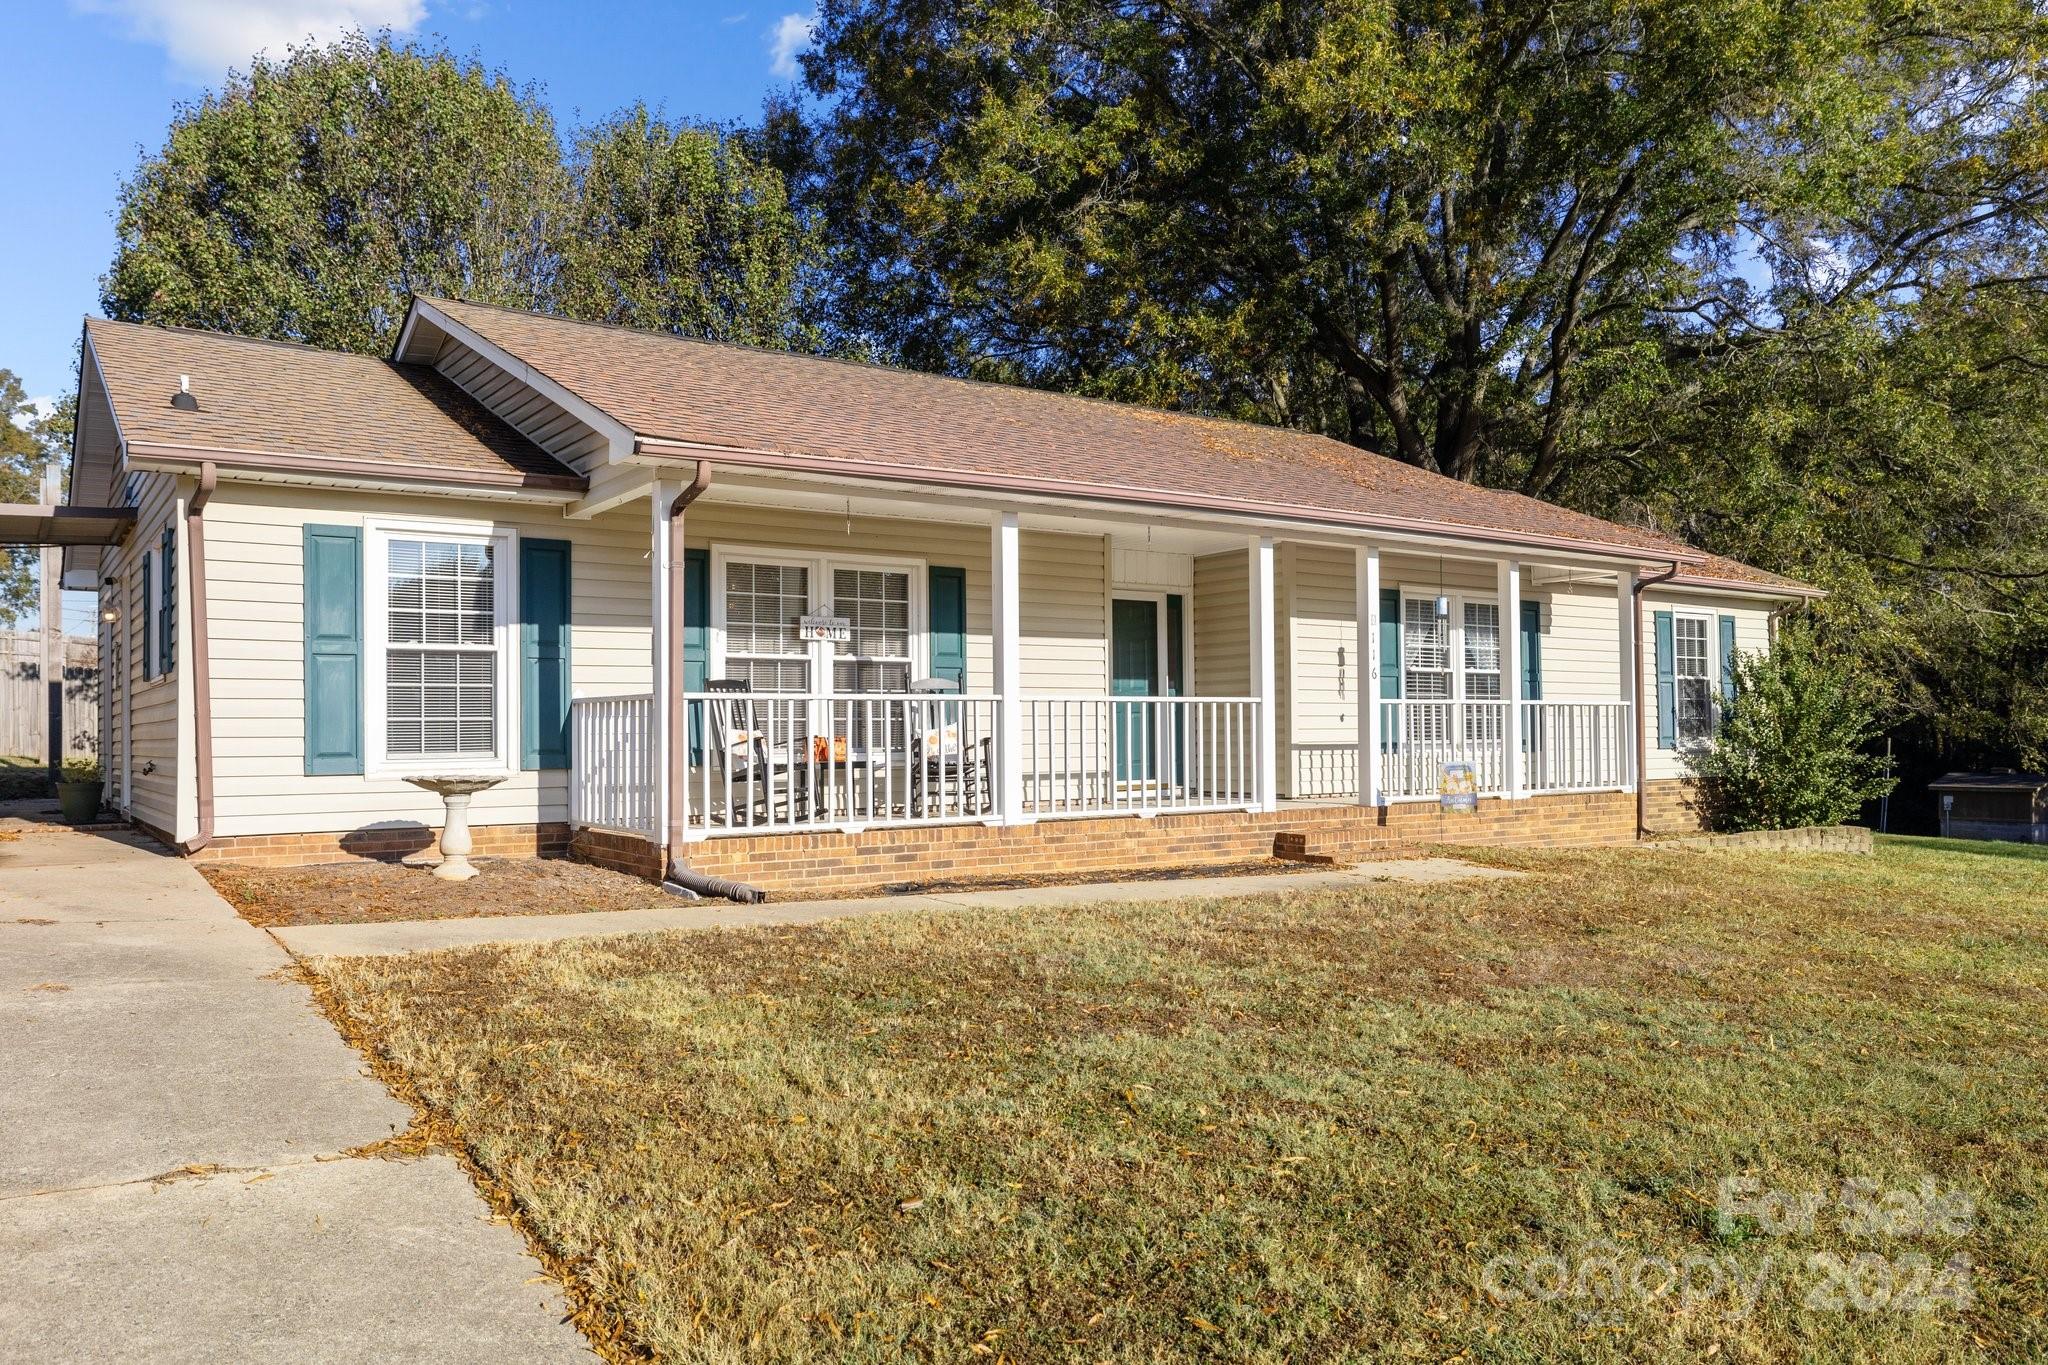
[[878, 367]]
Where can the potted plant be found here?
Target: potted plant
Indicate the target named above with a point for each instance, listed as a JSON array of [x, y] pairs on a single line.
[[78, 791]]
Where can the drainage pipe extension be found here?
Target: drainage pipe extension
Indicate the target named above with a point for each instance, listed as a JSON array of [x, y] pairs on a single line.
[[1642, 717], [678, 877]]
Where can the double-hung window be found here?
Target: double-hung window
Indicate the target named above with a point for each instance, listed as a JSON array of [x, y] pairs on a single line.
[[876, 605], [1481, 649], [1426, 670], [438, 602], [1692, 658]]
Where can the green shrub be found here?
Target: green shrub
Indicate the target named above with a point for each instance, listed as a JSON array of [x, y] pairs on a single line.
[[1792, 747], [80, 770]]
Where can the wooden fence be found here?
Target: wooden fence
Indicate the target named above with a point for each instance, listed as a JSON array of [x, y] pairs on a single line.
[[24, 703]]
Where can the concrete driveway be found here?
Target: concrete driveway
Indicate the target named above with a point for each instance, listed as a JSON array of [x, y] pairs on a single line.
[[176, 1118]]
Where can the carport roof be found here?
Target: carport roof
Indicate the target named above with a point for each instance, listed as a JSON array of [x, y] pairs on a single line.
[[28, 523]]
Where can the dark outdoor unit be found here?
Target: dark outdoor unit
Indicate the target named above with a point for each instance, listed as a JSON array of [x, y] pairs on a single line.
[[1995, 805]]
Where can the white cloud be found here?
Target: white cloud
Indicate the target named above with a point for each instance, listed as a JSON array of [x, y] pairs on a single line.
[[791, 35], [206, 37]]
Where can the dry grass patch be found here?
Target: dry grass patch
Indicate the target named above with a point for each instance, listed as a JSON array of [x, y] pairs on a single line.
[[1288, 1128], [372, 892]]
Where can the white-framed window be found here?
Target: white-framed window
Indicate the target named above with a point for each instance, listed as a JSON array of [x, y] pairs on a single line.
[[1692, 669], [1425, 651], [438, 631], [761, 593]]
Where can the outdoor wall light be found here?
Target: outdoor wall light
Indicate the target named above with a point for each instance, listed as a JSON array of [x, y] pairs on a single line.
[[110, 613]]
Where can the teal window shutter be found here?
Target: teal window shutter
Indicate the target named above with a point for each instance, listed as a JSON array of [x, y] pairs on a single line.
[[543, 653], [1727, 658], [1390, 644], [696, 639], [148, 614], [167, 603], [1532, 651], [333, 568], [947, 607], [1667, 685]]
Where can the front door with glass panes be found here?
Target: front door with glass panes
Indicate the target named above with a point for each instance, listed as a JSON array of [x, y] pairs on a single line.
[[762, 603]]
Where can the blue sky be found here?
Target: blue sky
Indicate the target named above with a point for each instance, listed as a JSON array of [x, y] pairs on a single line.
[[92, 83]]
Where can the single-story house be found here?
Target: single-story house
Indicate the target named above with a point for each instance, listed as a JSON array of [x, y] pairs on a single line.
[[799, 621]]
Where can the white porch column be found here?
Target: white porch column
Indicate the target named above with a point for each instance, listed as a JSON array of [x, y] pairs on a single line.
[[658, 496], [1005, 585], [1630, 681], [1264, 672], [1509, 572], [1367, 565]]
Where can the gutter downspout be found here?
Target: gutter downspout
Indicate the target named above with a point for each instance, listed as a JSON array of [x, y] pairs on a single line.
[[1642, 717], [677, 877], [199, 657]]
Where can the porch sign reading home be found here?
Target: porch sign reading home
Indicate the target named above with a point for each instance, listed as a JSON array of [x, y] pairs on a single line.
[[835, 629], [1459, 788]]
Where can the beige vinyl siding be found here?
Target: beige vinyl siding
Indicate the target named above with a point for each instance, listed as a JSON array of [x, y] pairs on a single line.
[[960, 545], [541, 420], [155, 751], [1752, 632], [1582, 639], [1063, 612], [1223, 624], [255, 538], [1321, 672]]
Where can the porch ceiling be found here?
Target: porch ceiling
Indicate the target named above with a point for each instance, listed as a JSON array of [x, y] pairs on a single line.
[[27, 523]]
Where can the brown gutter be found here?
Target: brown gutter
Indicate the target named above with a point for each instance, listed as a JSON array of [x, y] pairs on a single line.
[[199, 658], [1642, 714], [977, 479], [272, 462]]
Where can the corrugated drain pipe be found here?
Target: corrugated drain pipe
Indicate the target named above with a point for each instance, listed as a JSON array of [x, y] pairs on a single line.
[[199, 658], [679, 878], [1642, 742]]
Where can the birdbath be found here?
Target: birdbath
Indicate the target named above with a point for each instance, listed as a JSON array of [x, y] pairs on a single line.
[[455, 843]]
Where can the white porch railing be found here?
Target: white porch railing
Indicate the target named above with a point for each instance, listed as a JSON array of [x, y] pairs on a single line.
[[1092, 755], [612, 776], [1570, 746], [1566, 745], [763, 763]]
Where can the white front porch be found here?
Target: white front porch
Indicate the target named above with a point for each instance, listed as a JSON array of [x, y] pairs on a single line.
[[1264, 646]]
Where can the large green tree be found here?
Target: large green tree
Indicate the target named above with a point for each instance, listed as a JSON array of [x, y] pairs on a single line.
[[1443, 230], [309, 199], [682, 229]]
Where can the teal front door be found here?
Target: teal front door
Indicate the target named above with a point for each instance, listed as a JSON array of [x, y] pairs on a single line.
[[1134, 672]]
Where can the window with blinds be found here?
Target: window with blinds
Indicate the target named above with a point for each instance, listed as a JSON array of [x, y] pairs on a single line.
[[441, 660], [1693, 673], [762, 605], [876, 604], [1483, 724]]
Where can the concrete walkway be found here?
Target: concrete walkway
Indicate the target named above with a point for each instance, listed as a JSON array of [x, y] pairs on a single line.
[[412, 936], [175, 1184]]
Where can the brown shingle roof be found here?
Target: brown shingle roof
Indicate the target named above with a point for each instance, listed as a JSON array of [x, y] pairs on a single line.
[[277, 398], [672, 388]]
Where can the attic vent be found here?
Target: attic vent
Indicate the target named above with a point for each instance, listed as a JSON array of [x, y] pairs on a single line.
[[183, 398]]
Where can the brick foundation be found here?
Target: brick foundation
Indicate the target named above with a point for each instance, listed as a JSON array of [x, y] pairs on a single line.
[[813, 864], [382, 844], [1668, 807], [825, 862]]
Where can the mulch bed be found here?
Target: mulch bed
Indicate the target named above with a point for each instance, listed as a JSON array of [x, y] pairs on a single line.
[[372, 893]]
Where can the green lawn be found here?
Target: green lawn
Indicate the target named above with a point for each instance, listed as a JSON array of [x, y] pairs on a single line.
[[1309, 1127], [21, 777]]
